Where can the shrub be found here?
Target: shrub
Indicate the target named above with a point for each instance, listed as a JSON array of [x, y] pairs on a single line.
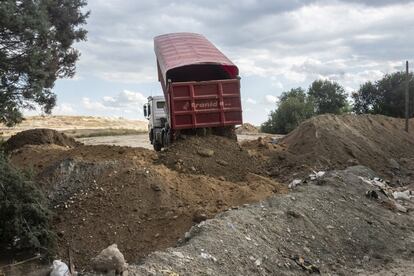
[[24, 212]]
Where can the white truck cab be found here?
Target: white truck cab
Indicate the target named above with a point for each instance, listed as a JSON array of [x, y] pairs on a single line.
[[156, 114]]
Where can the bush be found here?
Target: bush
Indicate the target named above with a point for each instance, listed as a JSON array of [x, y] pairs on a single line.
[[24, 212], [294, 108]]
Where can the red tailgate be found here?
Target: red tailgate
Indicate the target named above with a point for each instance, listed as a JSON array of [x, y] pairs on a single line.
[[205, 104]]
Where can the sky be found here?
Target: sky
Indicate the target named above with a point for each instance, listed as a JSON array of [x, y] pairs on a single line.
[[277, 45]]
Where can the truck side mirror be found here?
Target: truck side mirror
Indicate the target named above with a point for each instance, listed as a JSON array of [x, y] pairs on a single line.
[[145, 110], [149, 110]]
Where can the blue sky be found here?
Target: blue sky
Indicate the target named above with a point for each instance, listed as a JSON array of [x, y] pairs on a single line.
[[277, 45]]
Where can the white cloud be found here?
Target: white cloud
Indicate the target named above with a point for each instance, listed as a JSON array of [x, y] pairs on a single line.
[[63, 109], [251, 101], [125, 101], [92, 105], [284, 43], [270, 99]]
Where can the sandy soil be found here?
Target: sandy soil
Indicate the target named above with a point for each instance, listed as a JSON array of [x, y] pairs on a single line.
[[142, 141], [85, 124], [138, 140]]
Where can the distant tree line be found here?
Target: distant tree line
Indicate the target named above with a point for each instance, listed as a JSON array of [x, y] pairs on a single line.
[[385, 96]]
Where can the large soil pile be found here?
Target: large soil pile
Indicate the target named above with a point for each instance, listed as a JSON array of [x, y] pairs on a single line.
[[40, 136], [329, 229], [108, 194], [211, 155], [329, 141], [247, 128]]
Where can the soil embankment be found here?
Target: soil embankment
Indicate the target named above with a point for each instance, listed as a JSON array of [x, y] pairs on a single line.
[[146, 201]]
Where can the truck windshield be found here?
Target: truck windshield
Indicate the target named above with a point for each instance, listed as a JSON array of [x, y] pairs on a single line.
[[160, 105]]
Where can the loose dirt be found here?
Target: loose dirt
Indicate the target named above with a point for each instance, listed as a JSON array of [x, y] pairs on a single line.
[[228, 160], [146, 201], [41, 136], [327, 227], [247, 128], [328, 142], [110, 194]]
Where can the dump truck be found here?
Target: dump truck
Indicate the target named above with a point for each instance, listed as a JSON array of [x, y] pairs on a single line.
[[201, 90]]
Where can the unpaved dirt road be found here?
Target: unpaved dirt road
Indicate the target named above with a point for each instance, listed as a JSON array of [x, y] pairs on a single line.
[[141, 140]]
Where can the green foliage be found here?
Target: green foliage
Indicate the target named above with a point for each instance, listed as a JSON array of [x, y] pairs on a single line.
[[294, 107], [24, 214], [36, 38], [386, 96], [329, 97]]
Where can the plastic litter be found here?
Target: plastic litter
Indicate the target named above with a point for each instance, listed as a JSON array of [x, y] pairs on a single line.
[[294, 183], [317, 175], [406, 195], [59, 268], [208, 256]]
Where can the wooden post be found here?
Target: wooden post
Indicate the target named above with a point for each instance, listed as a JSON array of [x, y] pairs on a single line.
[[407, 98]]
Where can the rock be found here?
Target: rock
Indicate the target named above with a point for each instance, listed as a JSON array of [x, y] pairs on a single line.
[[205, 152], [110, 259], [59, 268], [222, 178], [222, 162], [393, 164], [155, 187], [352, 162], [199, 216], [293, 214]]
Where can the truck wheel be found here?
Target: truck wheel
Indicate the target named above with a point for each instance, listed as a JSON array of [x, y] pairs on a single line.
[[157, 146], [166, 136]]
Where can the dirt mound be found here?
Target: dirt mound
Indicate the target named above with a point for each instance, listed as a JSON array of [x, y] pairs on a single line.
[[108, 194], [210, 155], [329, 229], [247, 128], [329, 141], [40, 136]]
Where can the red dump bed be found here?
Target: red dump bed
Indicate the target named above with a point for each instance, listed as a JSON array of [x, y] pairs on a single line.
[[201, 85]]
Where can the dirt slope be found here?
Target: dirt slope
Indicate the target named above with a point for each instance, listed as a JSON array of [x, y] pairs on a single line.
[[108, 194], [247, 128], [227, 158], [41, 136], [329, 142], [332, 228]]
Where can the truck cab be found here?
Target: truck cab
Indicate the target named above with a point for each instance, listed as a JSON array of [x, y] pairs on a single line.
[[155, 113]]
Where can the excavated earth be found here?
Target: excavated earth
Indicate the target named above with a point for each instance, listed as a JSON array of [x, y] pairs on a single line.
[[326, 227], [329, 142], [228, 159], [40, 136], [146, 201], [108, 194]]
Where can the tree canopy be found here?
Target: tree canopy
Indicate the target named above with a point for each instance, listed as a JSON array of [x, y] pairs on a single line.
[[36, 38], [328, 96], [296, 105], [385, 96]]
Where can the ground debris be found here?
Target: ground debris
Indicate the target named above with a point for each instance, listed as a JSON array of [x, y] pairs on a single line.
[[332, 235]]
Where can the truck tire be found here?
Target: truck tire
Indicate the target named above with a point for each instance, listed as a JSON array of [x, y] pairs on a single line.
[[157, 146]]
